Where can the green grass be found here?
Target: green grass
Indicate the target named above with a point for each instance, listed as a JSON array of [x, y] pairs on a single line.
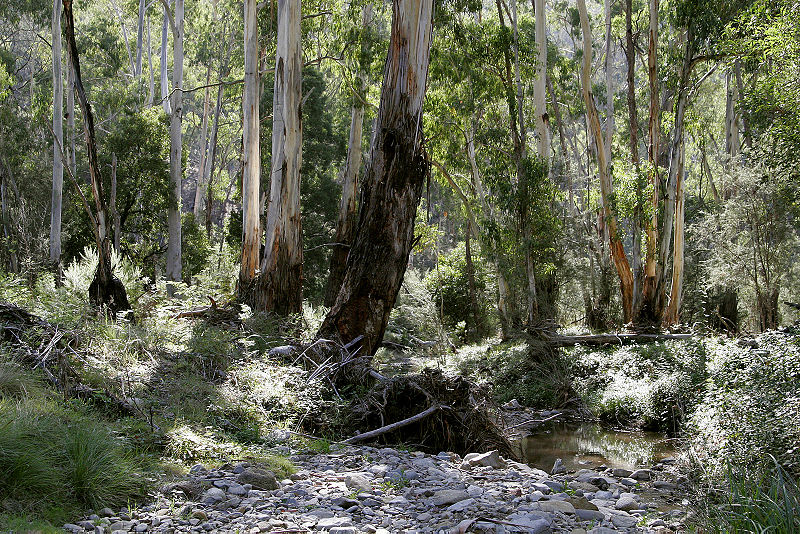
[[55, 461]]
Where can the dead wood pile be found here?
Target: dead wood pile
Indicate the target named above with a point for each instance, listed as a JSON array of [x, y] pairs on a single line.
[[48, 347], [456, 414]]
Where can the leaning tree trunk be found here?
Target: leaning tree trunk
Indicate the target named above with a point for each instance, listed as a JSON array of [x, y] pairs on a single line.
[[105, 290], [346, 224], [606, 188], [58, 143], [251, 164], [279, 285], [391, 189]]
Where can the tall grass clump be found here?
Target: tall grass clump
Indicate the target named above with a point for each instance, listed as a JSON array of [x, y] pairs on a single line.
[[746, 502], [55, 461]]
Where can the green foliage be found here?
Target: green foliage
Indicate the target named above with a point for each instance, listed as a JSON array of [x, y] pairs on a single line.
[[195, 247], [448, 285], [764, 501], [414, 317], [530, 374], [654, 386], [749, 409]]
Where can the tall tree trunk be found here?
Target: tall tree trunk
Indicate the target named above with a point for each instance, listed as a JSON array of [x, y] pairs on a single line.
[[652, 300], [150, 86], [105, 290], [71, 162], [672, 313], [488, 209], [163, 66], [346, 224], [212, 154], [58, 143], [732, 142], [540, 84], [391, 188], [673, 217], [173, 271], [115, 220], [520, 154], [606, 187], [281, 280], [633, 127], [140, 39], [609, 83], [251, 156], [201, 171], [474, 330], [131, 62]]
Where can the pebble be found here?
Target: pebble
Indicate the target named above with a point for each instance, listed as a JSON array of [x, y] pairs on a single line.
[[351, 491]]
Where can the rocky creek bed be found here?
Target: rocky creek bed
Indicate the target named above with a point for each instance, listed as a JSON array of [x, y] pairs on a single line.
[[372, 490]]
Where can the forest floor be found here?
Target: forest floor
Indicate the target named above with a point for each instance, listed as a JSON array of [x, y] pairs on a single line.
[[213, 406]]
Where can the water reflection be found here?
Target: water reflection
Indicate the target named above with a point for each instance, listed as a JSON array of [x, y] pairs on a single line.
[[590, 445]]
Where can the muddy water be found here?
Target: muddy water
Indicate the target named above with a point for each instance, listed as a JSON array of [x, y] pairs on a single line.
[[590, 446]]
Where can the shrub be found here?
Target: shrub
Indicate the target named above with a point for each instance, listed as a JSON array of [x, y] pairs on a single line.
[[653, 386], [448, 285], [751, 407]]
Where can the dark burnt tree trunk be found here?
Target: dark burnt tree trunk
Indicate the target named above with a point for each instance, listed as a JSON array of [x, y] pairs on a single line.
[[106, 290], [391, 188]]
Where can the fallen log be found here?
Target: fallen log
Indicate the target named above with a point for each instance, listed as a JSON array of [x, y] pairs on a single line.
[[394, 426], [610, 339]]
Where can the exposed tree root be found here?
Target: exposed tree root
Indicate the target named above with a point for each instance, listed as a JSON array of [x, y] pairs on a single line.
[[438, 412]]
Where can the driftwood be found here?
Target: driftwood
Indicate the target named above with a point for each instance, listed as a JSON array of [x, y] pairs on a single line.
[[610, 339], [534, 421], [394, 426], [214, 313]]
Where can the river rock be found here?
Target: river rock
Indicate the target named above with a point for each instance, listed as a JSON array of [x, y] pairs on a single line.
[[213, 495], [581, 503], [642, 474], [487, 459], [619, 472], [627, 502], [358, 483], [535, 524], [443, 497], [258, 478], [558, 467], [556, 506]]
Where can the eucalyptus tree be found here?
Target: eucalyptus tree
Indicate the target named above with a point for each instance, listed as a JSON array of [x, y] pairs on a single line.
[[105, 290], [278, 285], [176, 22], [58, 143], [391, 188]]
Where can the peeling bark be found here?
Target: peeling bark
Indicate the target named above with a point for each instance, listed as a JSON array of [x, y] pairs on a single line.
[[391, 188]]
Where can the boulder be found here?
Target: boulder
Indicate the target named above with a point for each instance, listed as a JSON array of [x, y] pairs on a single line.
[[258, 478]]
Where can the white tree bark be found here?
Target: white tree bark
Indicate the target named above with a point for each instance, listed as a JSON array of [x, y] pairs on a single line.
[[609, 84], [198, 192], [251, 174], [131, 62], [283, 254], [164, 80], [140, 39], [71, 119], [175, 151], [151, 86], [58, 142]]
